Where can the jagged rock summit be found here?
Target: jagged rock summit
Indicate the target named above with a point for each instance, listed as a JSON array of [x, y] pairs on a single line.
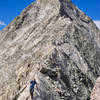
[[55, 42]]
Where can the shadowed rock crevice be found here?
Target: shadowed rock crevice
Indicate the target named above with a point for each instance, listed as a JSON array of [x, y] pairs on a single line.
[[63, 11]]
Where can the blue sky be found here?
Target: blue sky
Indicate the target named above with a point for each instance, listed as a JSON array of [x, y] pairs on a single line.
[[9, 9]]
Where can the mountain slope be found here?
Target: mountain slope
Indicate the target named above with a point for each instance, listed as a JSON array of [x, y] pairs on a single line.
[[55, 42]]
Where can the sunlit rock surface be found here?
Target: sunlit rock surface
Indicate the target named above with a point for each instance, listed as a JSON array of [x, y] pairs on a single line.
[[55, 42], [95, 94]]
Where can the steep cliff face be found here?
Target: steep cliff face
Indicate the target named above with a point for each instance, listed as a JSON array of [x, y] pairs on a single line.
[[55, 42]]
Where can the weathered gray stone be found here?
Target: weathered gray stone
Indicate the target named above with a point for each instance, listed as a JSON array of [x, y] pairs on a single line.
[[55, 42]]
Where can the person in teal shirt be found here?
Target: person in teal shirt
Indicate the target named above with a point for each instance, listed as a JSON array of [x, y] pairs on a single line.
[[32, 85]]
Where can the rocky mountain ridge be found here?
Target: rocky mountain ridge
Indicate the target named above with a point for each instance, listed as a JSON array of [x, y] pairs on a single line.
[[55, 42]]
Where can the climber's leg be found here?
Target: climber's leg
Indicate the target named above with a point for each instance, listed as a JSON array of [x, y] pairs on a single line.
[[31, 93]]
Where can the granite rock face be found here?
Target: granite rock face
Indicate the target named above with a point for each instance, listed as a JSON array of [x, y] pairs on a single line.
[[55, 42], [95, 94]]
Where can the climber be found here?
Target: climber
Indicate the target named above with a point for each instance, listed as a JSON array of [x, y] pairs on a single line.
[[32, 84]]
